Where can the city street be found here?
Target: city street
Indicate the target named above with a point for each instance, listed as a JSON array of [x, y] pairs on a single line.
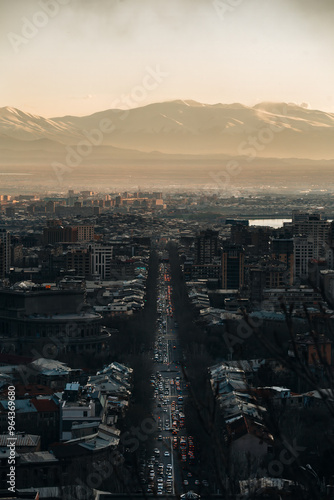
[[168, 466]]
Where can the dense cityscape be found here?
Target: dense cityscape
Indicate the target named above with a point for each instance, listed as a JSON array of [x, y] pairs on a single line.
[[166, 344], [166, 250]]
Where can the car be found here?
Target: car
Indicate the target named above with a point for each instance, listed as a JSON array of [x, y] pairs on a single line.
[[156, 451], [189, 474], [186, 482], [167, 454], [160, 480], [197, 482], [160, 437]]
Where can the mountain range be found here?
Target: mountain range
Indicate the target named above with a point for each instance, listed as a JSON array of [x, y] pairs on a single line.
[[169, 131]]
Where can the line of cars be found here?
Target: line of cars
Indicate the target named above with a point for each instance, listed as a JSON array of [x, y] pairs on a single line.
[[159, 473], [182, 446], [159, 477], [161, 390], [160, 351]]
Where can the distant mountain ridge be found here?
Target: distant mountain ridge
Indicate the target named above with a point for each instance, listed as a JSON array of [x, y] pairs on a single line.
[[185, 128]]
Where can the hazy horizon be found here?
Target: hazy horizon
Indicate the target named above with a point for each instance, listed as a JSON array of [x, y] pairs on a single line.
[[138, 106], [74, 57], [266, 63]]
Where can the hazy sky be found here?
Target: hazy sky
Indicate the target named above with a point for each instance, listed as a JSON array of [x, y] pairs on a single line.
[[82, 56]]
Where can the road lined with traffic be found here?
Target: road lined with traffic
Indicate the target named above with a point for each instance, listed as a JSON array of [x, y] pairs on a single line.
[[168, 468]]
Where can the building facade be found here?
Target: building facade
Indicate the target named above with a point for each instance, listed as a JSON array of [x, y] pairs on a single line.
[[232, 268], [38, 317], [206, 247]]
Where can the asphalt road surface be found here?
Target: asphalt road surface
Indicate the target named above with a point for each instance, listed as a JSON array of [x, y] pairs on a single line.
[[169, 466]]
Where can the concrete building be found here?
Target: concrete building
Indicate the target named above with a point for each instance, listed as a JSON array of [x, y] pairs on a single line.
[[101, 256], [282, 250], [85, 232], [34, 316], [232, 269], [298, 297], [303, 251], [317, 229], [5, 252], [80, 260], [206, 247]]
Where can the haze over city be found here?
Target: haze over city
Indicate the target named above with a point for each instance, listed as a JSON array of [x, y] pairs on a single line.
[[166, 249], [200, 83], [84, 56]]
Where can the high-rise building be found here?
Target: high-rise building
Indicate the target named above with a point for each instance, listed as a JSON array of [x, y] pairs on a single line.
[[85, 232], [101, 256], [56, 233], [303, 251], [316, 228], [282, 250], [233, 272], [79, 259], [4, 252], [299, 216], [59, 234], [206, 246]]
